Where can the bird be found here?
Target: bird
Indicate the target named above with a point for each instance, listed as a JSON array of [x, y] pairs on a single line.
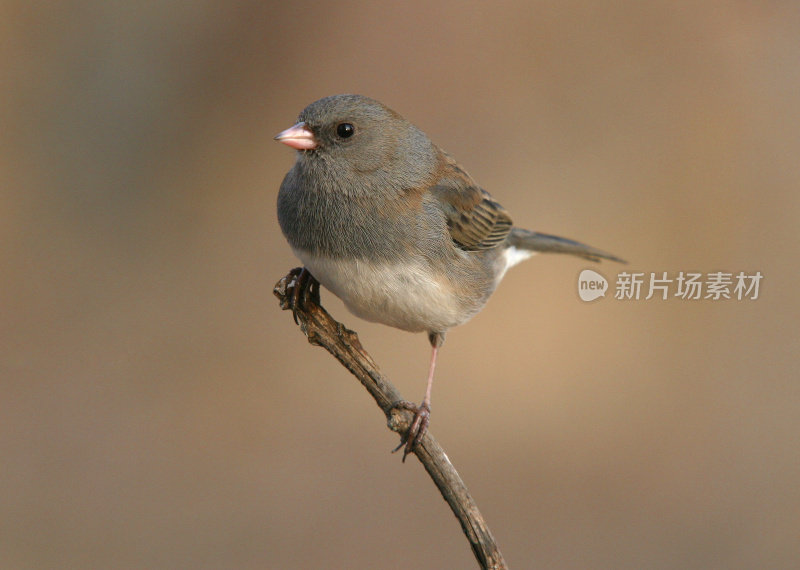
[[396, 228]]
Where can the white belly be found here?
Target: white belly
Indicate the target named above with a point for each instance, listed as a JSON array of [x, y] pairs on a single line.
[[408, 296]]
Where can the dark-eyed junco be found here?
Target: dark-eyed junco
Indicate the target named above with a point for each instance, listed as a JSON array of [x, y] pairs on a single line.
[[394, 227]]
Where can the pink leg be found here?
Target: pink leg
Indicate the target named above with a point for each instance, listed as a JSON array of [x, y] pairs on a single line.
[[422, 413]]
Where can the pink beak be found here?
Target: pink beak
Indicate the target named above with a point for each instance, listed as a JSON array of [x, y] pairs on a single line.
[[298, 137]]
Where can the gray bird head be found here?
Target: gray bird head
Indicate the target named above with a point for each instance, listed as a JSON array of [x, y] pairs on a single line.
[[359, 145]]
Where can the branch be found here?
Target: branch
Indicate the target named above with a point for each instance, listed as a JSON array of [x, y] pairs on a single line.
[[322, 330]]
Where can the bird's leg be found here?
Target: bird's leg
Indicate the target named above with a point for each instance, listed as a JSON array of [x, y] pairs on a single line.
[[304, 290], [422, 413]]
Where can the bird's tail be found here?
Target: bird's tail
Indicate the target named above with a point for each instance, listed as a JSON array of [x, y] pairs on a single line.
[[534, 241]]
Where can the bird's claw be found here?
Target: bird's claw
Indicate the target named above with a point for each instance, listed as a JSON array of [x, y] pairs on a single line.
[[418, 427], [301, 290]]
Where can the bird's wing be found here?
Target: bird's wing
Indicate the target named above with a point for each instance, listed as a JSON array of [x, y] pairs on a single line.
[[475, 220]]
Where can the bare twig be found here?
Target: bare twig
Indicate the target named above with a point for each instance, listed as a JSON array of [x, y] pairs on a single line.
[[322, 330]]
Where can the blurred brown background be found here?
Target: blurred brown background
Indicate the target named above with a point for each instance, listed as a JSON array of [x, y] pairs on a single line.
[[158, 410]]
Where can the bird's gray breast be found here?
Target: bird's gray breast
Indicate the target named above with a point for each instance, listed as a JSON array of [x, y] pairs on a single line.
[[325, 215]]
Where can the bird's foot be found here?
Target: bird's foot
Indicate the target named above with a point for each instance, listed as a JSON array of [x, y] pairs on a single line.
[[302, 290], [418, 427]]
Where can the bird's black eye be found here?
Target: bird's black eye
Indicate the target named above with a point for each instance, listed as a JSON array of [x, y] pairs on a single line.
[[345, 130]]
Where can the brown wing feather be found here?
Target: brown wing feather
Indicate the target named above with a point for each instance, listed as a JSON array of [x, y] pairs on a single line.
[[474, 219]]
